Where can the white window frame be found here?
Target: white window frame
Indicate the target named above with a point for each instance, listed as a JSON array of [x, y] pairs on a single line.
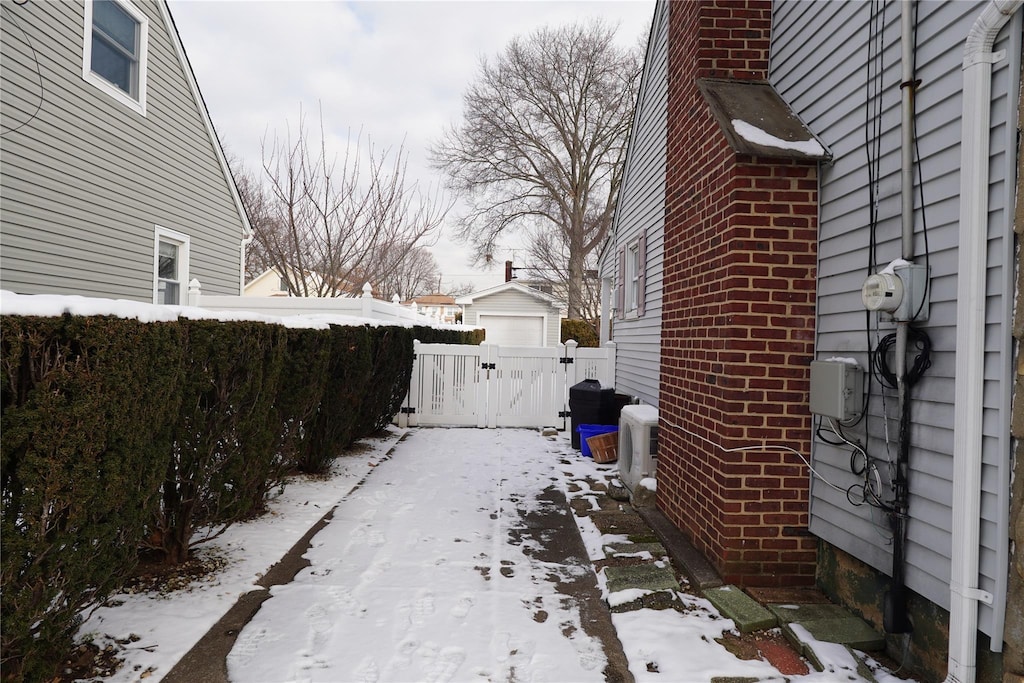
[[183, 242], [136, 104]]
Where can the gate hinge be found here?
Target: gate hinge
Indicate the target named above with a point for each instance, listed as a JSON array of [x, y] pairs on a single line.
[[488, 366], [407, 411], [564, 413], [566, 361]]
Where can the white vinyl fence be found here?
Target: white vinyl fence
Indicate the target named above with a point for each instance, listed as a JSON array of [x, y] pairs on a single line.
[[364, 306], [500, 386]]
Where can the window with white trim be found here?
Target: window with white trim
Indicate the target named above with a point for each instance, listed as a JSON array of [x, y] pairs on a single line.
[[170, 266], [116, 40]]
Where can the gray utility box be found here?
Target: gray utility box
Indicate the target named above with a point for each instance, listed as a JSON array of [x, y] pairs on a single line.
[[837, 389]]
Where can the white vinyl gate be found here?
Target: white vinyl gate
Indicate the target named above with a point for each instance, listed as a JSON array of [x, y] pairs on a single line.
[[500, 386]]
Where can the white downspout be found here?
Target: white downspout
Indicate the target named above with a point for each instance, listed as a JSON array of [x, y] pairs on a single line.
[[970, 340], [606, 316]]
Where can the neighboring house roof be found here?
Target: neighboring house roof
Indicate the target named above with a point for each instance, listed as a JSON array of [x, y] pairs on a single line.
[[469, 299], [432, 300]]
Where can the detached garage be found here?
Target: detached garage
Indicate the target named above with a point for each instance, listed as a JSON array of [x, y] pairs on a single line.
[[514, 315]]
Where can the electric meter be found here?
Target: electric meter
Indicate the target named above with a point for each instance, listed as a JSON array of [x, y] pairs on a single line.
[[882, 292]]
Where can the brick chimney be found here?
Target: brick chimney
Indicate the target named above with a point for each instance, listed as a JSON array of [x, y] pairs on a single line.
[[738, 312]]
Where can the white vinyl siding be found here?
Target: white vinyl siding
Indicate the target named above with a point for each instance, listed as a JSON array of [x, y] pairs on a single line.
[[84, 179], [818, 66], [639, 222]]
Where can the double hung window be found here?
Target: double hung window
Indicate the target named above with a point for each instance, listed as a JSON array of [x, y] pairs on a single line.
[[170, 268], [116, 36]]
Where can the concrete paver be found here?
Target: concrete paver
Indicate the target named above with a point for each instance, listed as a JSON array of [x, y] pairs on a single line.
[[745, 612]]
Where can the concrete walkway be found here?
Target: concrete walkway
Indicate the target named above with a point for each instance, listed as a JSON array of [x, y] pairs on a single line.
[[542, 524]]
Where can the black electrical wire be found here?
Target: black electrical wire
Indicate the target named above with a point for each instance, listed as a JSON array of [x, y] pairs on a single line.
[[922, 361], [39, 73]]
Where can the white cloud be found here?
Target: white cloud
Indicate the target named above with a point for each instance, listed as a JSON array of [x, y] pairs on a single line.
[[395, 70]]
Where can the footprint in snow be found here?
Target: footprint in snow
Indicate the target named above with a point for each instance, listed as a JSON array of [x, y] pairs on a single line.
[[462, 607]]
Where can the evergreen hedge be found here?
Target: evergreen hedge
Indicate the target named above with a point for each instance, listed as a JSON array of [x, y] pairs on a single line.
[[88, 406], [118, 434], [582, 331]]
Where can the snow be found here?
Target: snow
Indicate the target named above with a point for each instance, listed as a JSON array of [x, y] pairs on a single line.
[[53, 306], [757, 136], [893, 265], [421, 575], [842, 359]]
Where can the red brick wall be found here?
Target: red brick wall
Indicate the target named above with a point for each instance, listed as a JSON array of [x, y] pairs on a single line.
[[738, 316]]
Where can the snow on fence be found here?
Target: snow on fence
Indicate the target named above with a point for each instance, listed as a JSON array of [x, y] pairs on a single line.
[[364, 306]]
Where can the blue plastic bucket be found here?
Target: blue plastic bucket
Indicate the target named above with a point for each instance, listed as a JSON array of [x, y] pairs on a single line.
[[587, 431]]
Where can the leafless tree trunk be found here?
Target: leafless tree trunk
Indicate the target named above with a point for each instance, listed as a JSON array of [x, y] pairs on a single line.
[[330, 228], [415, 275], [542, 141]]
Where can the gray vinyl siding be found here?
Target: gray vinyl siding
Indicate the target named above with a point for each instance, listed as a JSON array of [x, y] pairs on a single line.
[[512, 302], [818, 65], [85, 181], [641, 208]]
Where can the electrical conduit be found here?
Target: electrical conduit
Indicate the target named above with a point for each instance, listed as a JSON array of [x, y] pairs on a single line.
[[970, 339]]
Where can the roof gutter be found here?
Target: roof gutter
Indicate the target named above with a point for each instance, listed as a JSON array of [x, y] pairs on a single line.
[[970, 339]]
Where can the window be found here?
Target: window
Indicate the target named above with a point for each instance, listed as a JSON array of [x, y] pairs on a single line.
[[631, 286], [170, 267], [282, 284], [116, 36], [632, 276]]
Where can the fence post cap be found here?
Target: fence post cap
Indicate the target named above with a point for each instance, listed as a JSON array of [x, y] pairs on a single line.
[[367, 290]]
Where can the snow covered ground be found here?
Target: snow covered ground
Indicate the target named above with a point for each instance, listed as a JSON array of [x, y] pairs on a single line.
[[416, 579]]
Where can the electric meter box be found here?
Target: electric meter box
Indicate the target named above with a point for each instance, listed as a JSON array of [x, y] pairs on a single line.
[[837, 389]]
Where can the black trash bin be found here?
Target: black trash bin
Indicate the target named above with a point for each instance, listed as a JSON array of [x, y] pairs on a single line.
[[611, 408], [589, 404]]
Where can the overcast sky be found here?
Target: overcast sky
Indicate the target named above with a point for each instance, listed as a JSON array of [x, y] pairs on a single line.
[[394, 70]]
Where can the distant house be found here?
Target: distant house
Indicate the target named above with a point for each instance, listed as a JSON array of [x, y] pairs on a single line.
[[113, 182], [761, 189], [514, 314], [268, 283], [439, 307]]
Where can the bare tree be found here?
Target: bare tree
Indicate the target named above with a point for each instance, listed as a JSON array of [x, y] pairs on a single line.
[[328, 229], [257, 206], [542, 142], [415, 275], [548, 255]]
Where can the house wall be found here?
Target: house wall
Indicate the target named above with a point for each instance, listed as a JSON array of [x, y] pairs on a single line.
[[641, 209], [738, 317], [819, 64], [85, 180], [512, 302]]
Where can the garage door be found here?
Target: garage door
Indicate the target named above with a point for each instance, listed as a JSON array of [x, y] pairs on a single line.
[[513, 330]]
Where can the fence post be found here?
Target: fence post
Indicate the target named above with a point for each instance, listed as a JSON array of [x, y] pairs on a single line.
[[410, 417], [367, 301], [195, 291], [609, 368]]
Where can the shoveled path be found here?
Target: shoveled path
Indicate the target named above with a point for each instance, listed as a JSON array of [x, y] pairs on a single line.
[[438, 567]]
